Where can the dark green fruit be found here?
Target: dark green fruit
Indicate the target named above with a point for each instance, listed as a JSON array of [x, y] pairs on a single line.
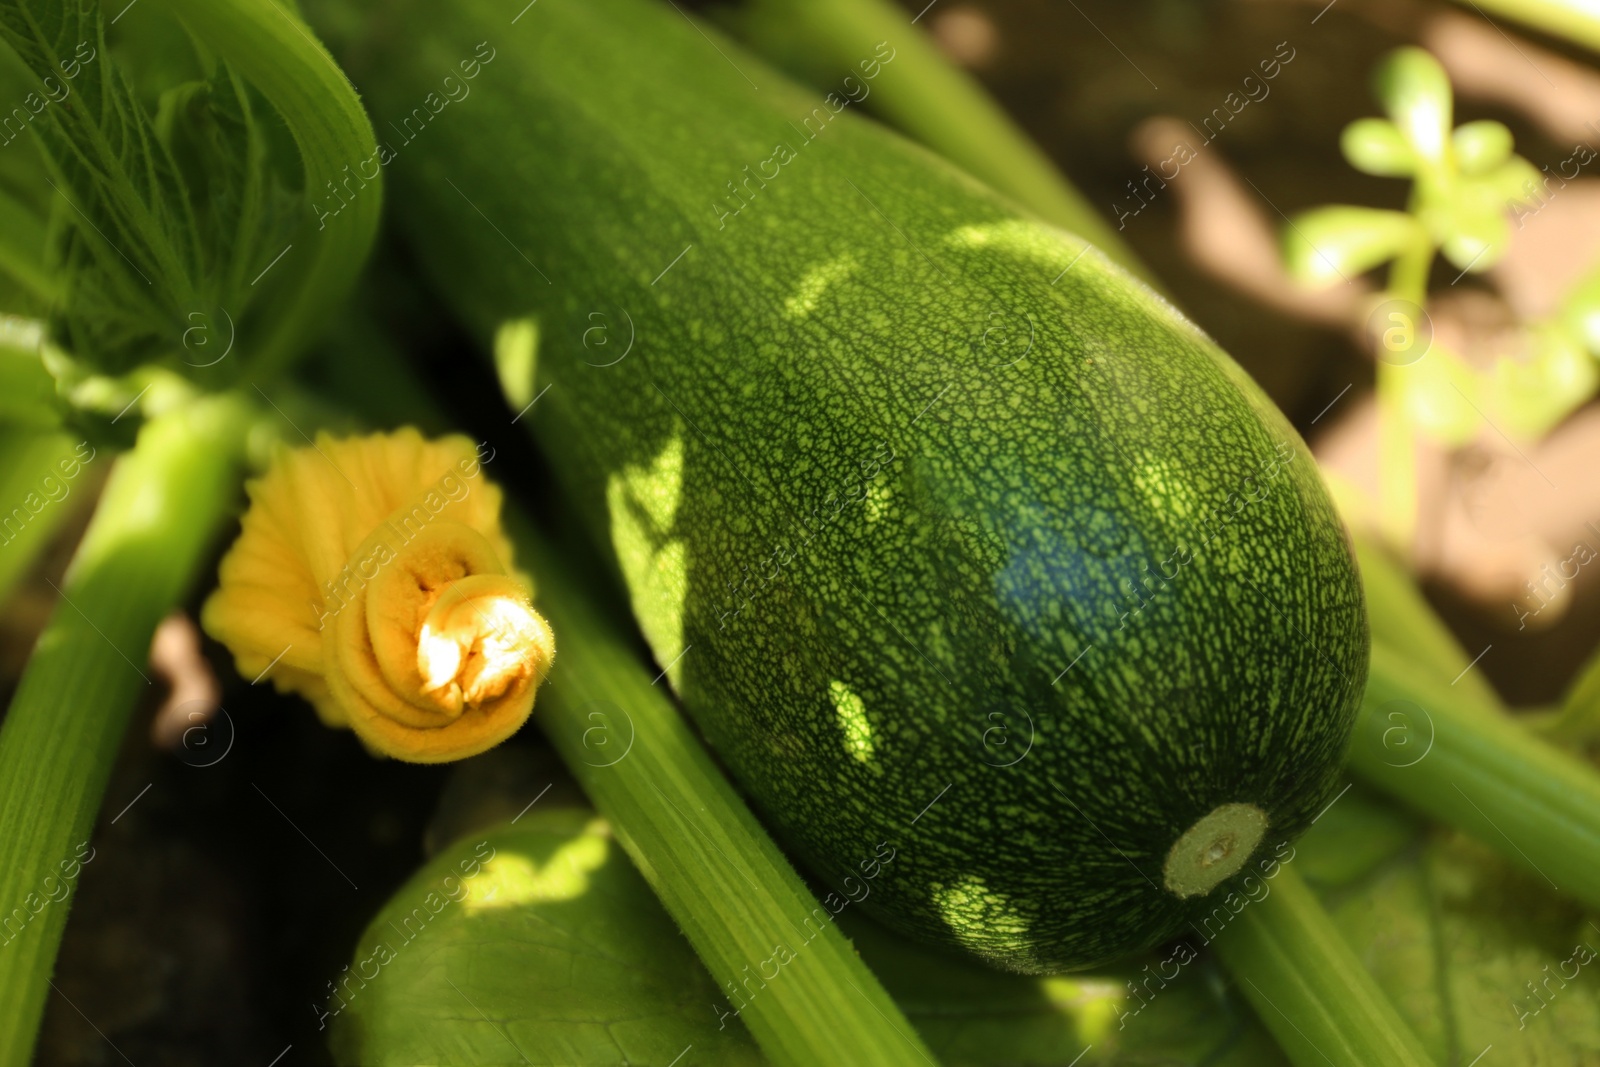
[[958, 541]]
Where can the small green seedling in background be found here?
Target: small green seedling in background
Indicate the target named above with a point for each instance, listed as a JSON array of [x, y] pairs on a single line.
[[1470, 193]]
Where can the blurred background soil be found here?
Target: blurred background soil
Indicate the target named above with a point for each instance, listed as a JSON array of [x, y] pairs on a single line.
[[220, 905]]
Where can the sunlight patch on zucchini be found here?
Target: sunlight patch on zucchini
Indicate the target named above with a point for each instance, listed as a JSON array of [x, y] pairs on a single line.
[[853, 721]]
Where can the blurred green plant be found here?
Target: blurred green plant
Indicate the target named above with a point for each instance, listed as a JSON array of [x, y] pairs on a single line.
[[145, 546], [1576, 20], [137, 247], [1467, 187], [156, 213]]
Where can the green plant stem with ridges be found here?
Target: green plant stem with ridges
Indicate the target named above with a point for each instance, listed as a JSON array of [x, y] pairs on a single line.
[[1397, 462], [1309, 988], [695, 841], [1576, 20], [924, 95], [142, 551], [1397, 439], [29, 468], [275, 51], [1401, 618], [1480, 771], [1486, 773], [1577, 720]]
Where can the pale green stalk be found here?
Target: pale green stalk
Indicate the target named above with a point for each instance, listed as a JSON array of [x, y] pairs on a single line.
[[160, 509], [924, 95], [1397, 438], [1577, 720], [1309, 988], [1576, 20], [1402, 619], [1481, 771], [36, 495], [1434, 733], [720, 875]]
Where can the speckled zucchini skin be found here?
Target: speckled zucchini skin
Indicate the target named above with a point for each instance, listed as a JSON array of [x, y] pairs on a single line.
[[958, 538]]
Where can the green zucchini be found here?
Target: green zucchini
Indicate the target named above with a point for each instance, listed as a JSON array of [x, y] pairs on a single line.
[[957, 543]]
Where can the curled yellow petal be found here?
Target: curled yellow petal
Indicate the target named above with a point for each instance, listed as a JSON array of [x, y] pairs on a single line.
[[371, 576]]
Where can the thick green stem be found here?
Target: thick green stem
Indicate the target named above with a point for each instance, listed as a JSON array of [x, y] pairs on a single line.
[[1402, 619], [1436, 735], [1576, 20], [723, 880], [37, 494], [277, 53], [143, 549], [1478, 770], [1577, 721], [1397, 462], [1309, 988], [920, 92]]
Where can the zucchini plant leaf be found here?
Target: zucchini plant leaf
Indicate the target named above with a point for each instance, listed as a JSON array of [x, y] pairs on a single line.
[[159, 215], [1172, 1007], [534, 943], [557, 951], [1472, 952], [541, 941]]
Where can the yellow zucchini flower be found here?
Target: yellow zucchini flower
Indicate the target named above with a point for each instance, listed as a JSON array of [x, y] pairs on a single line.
[[371, 576]]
